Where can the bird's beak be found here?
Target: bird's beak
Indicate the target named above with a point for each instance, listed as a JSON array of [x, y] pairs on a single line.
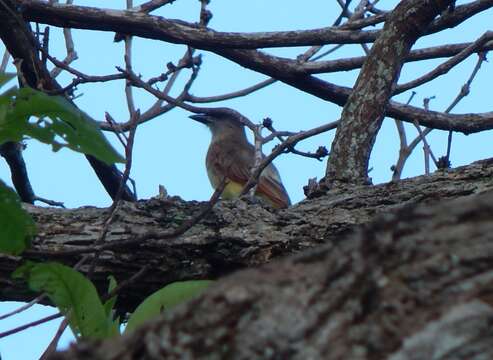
[[202, 118]]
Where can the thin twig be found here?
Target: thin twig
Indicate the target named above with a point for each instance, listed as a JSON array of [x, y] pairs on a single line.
[[464, 91], [422, 135], [258, 142], [152, 5], [114, 206], [128, 67], [81, 78], [49, 202], [51, 348], [318, 155], [31, 324], [328, 52], [127, 282], [279, 149], [403, 148], [426, 154], [137, 81], [23, 307], [447, 65], [187, 61], [5, 61], [231, 95], [69, 46], [359, 12], [119, 134], [156, 109]]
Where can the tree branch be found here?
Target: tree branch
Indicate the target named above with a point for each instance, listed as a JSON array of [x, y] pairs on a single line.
[[231, 236], [413, 284], [180, 32]]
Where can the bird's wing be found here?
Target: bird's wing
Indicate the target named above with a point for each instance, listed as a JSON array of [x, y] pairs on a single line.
[[237, 169], [271, 185], [227, 162]]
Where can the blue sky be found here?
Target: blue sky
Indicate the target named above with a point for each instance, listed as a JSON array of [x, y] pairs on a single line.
[[170, 150]]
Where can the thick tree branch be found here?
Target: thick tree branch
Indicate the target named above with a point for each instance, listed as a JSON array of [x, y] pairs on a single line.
[[180, 32], [233, 235], [413, 284]]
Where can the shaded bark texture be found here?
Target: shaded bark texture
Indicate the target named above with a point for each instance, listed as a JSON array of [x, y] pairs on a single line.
[[234, 235], [415, 283], [368, 290]]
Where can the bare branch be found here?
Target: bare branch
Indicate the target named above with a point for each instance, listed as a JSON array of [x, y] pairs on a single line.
[[448, 65], [231, 95], [31, 324], [443, 161], [180, 32], [291, 141], [152, 5], [5, 61], [69, 45], [22, 308], [118, 197], [185, 33], [51, 348], [464, 91], [353, 63]]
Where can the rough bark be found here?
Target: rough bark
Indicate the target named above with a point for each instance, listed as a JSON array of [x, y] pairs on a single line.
[[234, 235], [416, 283]]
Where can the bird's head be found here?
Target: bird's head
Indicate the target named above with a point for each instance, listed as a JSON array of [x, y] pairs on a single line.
[[220, 125]]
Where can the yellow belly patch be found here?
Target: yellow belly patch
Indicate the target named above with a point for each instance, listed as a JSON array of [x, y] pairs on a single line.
[[232, 190]]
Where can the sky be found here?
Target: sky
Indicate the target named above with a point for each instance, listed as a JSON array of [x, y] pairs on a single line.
[[170, 150]]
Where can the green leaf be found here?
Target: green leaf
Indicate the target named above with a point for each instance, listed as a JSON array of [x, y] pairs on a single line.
[[5, 77], [17, 226], [110, 303], [73, 294], [165, 298], [52, 120]]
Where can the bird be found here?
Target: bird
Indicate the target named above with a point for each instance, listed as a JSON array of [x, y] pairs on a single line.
[[230, 156]]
